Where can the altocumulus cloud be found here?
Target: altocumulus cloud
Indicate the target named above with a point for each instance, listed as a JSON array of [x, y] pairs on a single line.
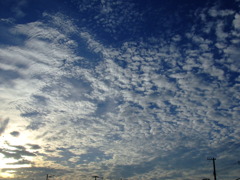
[[146, 109]]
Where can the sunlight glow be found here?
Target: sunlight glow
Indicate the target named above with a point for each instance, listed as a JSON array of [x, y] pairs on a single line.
[[9, 163], [6, 174], [9, 154]]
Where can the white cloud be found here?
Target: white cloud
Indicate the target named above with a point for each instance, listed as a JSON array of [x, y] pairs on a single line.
[[221, 35], [18, 8], [177, 38], [236, 21], [62, 22], [7, 20], [213, 12]]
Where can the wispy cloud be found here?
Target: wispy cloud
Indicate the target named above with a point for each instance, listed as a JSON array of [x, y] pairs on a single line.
[[18, 8]]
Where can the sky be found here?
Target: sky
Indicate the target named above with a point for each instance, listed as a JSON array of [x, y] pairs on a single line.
[[131, 89]]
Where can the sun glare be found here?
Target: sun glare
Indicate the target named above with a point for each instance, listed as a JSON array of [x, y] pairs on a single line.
[[9, 148], [10, 163], [6, 175]]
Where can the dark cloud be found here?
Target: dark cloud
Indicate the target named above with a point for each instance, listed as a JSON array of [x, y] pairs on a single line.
[[19, 153], [3, 125], [93, 155], [17, 147], [15, 133], [10, 154], [30, 114], [35, 125], [29, 172], [34, 146], [20, 162], [41, 100], [8, 75]]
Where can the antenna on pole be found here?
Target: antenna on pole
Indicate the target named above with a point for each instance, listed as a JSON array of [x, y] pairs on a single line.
[[214, 167]]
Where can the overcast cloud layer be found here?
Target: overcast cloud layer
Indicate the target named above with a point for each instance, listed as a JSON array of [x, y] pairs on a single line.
[[106, 95]]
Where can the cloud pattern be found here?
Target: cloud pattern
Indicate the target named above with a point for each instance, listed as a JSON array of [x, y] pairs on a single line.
[[146, 108]]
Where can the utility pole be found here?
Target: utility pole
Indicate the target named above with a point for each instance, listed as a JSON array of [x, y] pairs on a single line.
[[95, 177], [49, 176], [214, 167]]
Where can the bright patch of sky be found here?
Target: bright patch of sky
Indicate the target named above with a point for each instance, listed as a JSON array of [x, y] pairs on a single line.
[[119, 89]]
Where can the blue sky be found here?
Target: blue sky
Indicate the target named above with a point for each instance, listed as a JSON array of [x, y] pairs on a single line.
[[119, 89]]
